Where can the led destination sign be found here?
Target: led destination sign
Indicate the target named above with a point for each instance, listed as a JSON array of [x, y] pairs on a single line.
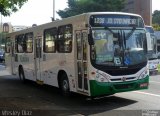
[[116, 21]]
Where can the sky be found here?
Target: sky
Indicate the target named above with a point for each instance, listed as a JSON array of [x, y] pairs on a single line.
[[40, 12]]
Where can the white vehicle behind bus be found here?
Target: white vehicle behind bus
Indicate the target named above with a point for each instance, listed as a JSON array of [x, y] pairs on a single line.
[[152, 50]]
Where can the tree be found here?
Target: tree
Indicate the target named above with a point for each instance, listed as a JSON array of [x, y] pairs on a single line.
[[156, 27], [81, 6], [156, 17], [9, 6]]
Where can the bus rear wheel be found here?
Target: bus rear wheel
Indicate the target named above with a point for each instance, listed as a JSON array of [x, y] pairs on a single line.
[[64, 85], [21, 75]]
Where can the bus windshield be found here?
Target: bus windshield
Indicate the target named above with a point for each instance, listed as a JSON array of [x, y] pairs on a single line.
[[119, 47]]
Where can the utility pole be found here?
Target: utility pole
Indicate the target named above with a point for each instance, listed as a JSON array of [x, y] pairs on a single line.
[[1, 32], [53, 18]]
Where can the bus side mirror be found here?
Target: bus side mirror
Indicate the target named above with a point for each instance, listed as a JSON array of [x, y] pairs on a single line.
[[90, 39]]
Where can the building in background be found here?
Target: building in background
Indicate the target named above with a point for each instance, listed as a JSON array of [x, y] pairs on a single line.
[[4, 29], [18, 28], [8, 28], [141, 7]]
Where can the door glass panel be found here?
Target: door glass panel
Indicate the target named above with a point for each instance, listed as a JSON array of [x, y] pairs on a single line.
[[84, 46], [38, 49], [85, 75], [79, 74], [79, 46]]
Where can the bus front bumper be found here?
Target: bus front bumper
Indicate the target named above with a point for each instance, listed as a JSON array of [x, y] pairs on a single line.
[[105, 88]]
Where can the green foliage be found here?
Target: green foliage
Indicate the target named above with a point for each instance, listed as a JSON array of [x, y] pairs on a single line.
[[156, 20], [9, 6], [158, 67], [76, 7], [156, 27]]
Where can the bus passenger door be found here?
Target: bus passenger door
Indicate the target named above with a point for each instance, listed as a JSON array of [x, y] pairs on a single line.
[[37, 59], [82, 67]]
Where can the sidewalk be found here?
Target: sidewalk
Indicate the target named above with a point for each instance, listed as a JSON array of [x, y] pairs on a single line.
[[3, 70]]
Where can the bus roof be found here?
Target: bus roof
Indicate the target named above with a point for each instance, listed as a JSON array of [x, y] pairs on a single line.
[[84, 15], [120, 13]]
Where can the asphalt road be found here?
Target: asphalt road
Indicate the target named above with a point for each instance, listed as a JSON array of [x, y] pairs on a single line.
[[34, 100]]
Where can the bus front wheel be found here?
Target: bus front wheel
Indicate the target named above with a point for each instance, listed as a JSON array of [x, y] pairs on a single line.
[[64, 85]]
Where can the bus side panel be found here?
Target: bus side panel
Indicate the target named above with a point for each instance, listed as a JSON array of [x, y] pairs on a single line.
[[53, 63], [50, 68], [28, 66]]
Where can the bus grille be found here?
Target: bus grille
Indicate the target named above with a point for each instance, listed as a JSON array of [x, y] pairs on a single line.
[[121, 80]]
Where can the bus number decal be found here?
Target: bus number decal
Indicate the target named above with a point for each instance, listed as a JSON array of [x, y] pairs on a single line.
[[99, 20]]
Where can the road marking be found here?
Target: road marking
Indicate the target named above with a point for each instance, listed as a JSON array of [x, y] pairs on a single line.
[[154, 82], [147, 93]]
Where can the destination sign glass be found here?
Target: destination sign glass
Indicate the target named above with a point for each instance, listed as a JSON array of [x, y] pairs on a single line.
[[116, 21]]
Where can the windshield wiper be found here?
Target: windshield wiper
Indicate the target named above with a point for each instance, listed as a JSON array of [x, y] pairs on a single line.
[[130, 33], [107, 28], [122, 40]]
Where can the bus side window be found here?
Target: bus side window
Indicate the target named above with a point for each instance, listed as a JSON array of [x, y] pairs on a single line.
[[64, 39], [20, 43], [50, 36], [28, 45]]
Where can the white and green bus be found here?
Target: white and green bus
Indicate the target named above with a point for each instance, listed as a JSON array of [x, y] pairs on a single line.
[[93, 54]]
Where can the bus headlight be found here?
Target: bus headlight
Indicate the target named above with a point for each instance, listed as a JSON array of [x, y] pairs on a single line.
[[143, 74], [102, 77]]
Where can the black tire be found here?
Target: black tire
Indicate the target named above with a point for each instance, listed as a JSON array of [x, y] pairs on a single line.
[[64, 85], [21, 75]]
